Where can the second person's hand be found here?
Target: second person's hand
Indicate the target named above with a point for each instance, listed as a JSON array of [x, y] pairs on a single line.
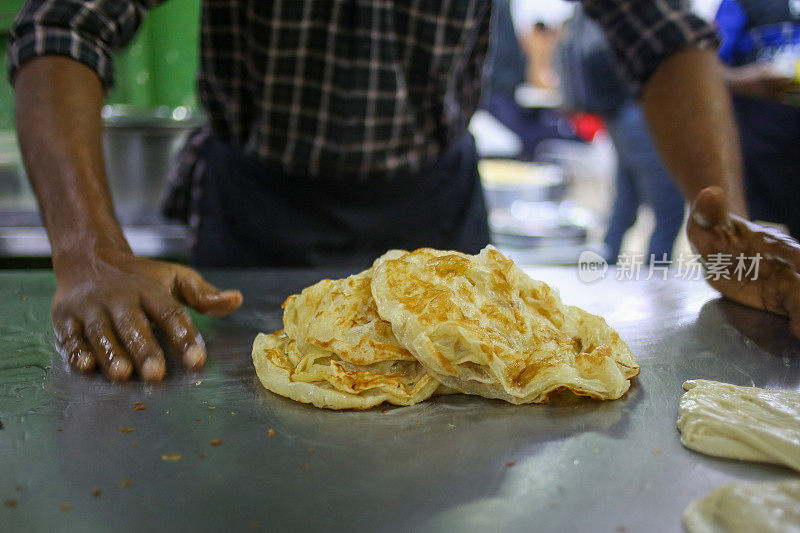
[[775, 284]]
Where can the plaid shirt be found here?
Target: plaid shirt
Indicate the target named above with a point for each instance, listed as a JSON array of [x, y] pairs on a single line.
[[336, 87]]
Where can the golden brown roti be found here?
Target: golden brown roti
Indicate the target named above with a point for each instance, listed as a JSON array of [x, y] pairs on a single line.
[[340, 316], [316, 376], [480, 325]]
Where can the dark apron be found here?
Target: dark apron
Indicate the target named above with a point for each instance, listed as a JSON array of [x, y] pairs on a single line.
[[254, 215]]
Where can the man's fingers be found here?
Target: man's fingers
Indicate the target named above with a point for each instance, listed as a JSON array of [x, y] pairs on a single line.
[[710, 207], [782, 247], [174, 321], [136, 335], [198, 294], [109, 353], [72, 345]]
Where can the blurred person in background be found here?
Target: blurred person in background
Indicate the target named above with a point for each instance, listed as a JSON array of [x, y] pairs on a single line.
[[540, 44], [757, 37], [592, 83], [506, 70]]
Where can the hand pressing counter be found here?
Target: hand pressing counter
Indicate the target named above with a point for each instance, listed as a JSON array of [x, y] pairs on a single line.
[[107, 300]]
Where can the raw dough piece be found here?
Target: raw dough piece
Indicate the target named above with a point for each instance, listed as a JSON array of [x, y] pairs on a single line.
[[738, 422], [746, 507]]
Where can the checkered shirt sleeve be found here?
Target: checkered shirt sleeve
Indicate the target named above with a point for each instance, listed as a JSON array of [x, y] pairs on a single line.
[[643, 33], [87, 31]]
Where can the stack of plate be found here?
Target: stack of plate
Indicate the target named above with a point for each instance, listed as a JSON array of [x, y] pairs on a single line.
[[527, 206]]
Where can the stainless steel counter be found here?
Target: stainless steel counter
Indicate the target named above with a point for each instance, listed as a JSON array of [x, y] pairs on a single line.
[[454, 463]]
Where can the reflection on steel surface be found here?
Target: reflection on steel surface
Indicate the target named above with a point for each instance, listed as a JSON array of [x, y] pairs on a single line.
[[454, 463]]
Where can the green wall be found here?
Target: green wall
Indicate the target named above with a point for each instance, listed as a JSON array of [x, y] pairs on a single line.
[[157, 68], [8, 9]]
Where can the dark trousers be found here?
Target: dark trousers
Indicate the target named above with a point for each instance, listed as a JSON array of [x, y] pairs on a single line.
[[641, 178], [254, 215], [770, 136]]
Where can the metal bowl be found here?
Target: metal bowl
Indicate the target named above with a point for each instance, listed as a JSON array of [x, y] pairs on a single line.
[[507, 181], [140, 147], [508, 230]]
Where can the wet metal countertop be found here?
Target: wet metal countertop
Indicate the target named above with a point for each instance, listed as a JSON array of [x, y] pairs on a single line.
[[451, 463]]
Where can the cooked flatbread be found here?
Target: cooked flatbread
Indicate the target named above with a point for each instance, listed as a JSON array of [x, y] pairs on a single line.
[[340, 316], [318, 377], [745, 507], [745, 423], [480, 325]]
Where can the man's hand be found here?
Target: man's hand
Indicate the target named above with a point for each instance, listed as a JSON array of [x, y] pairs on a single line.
[[712, 229], [107, 304], [758, 80]]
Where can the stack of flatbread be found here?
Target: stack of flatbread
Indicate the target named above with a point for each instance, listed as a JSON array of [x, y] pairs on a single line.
[[433, 322]]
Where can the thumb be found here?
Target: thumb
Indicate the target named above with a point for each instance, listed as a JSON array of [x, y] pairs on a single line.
[[200, 295], [710, 207]]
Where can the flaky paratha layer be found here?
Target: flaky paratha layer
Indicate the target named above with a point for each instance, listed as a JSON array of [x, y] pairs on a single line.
[[479, 324], [311, 375], [340, 316]]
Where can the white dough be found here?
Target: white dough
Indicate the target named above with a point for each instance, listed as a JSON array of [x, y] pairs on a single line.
[[746, 507], [738, 422]]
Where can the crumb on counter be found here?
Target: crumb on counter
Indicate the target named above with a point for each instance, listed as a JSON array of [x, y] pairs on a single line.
[[216, 442]]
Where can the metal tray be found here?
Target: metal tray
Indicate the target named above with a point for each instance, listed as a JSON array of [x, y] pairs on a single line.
[[452, 464]]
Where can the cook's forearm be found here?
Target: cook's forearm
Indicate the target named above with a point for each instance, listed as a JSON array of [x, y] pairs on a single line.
[[58, 103], [688, 108]]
